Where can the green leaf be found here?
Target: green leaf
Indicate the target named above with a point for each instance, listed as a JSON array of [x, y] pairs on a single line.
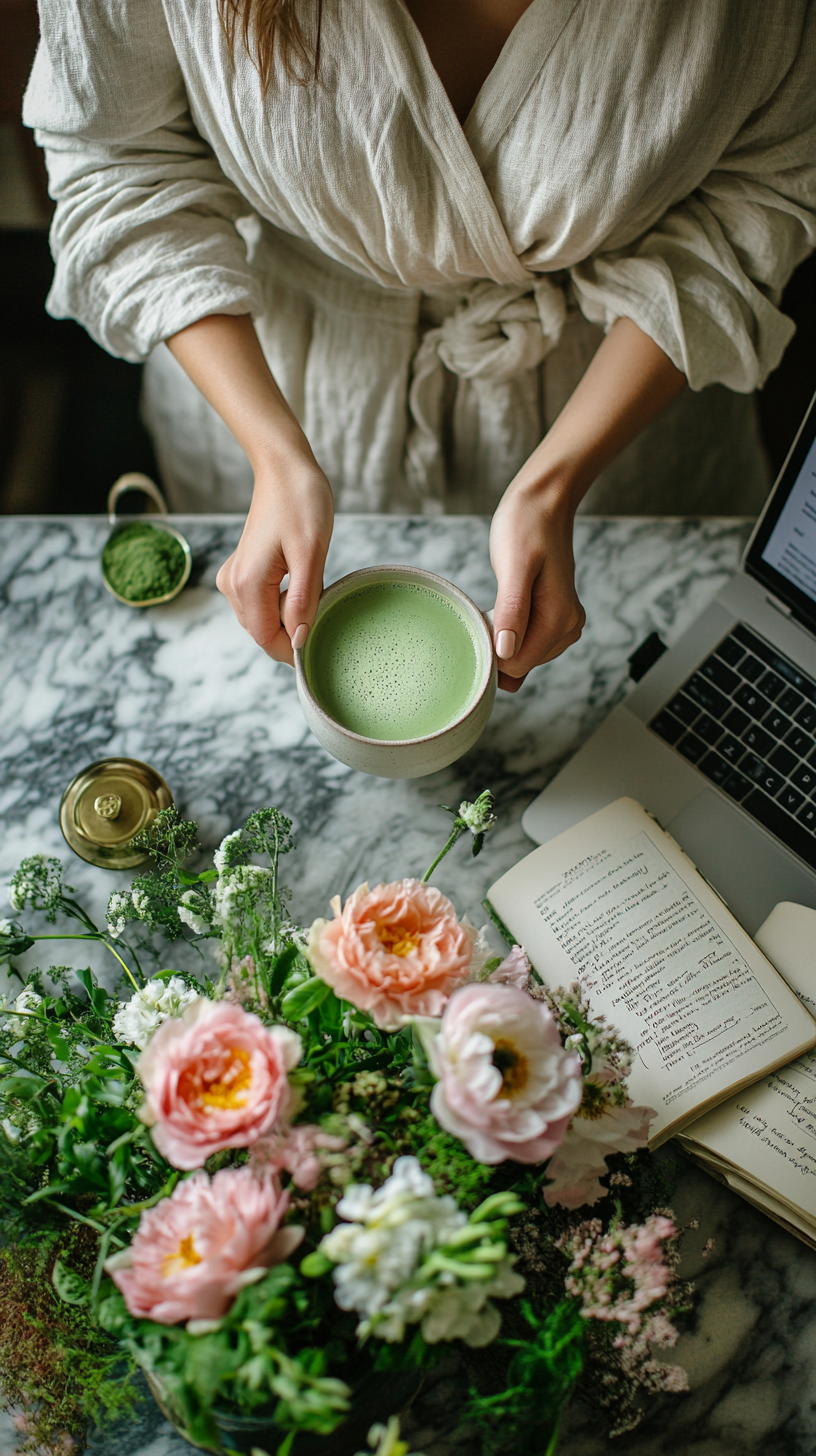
[[118, 1167], [15, 945], [280, 968], [59, 1045], [305, 998], [69, 1285], [315, 1265], [40, 1146], [25, 1089]]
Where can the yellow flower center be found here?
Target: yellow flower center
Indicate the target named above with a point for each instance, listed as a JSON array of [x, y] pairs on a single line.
[[229, 1092], [593, 1102], [397, 940], [513, 1066], [185, 1257]]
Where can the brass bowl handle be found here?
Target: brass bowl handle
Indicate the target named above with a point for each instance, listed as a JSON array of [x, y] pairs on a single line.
[[135, 481]]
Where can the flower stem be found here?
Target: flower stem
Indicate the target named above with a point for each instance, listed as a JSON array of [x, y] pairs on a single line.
[[102, 941], [456, 831]]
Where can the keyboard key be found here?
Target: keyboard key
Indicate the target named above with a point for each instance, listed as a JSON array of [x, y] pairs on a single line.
[[756, 738], [731, 748], [730, 651], [708, 696], [715, 768], [771, 685], [736, 721], [804, 777], [722, 676], [744, 635], [692, 748], [736, 785], [751, 700], [784, 760], [790, 701], [790, 799], [807, 816], [667, 726], [778, 664], [806, 717], [708, 729], [777, 723], [792, 832], [761, 774], [800, 742], [752, 668], [684, 709]]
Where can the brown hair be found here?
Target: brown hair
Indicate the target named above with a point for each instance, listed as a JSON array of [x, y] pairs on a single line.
[[263, 26]]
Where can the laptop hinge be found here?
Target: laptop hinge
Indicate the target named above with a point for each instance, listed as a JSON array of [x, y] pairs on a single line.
[[779, 606]]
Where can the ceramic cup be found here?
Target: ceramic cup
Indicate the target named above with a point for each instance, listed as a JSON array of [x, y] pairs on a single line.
[[405, 758]]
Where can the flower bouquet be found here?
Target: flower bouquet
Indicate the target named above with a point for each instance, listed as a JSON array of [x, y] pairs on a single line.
[[283, 1189]]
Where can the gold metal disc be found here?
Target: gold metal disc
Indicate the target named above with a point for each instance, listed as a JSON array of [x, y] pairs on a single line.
[[106, 804]]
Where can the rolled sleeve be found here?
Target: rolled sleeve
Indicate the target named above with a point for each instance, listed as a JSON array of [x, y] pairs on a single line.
[[144, 234], [705, 282]]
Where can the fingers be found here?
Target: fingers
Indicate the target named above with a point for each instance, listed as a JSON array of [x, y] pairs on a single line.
[[251, 585], [299, 601], [537, 614]]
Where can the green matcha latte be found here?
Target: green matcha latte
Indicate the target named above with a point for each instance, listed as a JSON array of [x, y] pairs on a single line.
[[393, 660]]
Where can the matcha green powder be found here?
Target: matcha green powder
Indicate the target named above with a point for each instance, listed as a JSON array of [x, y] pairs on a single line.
[[142, 562]]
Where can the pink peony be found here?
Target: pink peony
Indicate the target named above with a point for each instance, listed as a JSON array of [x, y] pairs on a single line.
[[581, 1159], [506, 1085], [514, 970], [192, 1253], [215, 1078], [397, 950]]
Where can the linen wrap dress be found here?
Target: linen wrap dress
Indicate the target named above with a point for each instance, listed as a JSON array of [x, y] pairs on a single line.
[[428, 294]]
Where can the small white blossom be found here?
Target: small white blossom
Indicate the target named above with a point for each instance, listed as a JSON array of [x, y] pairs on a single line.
[[115, 917], [385, 1441], [12, 1132], [157, 1001], [140, 902], [27, 1002], [6, 927], [220, 856], [479, 817], [187, 913]]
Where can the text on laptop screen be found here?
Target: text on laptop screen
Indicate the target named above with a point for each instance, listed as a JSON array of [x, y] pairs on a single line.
[[791, 546]]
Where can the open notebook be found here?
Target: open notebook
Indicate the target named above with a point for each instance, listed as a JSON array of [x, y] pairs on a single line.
[[616, 902]]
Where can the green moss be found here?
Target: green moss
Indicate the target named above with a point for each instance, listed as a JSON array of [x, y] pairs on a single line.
[[142, 562]]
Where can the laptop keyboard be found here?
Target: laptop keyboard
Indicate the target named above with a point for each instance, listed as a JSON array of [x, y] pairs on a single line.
[[747, 720]]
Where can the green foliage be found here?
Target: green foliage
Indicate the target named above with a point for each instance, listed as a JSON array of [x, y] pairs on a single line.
[[540, 1379], [154, 897], [55, 1362], [449, 1163], [271, 1352]]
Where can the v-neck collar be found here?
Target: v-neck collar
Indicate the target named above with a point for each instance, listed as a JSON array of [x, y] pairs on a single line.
[[455, 147], [530, 42]]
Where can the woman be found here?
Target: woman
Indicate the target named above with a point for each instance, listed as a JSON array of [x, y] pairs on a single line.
[[417, 204]]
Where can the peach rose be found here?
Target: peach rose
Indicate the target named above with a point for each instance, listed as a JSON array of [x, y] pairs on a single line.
[[192, 1253], [397, 950], [215, 1078], [506, 1085]]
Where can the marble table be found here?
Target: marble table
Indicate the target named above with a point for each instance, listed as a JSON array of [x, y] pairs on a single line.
[[180, 686]]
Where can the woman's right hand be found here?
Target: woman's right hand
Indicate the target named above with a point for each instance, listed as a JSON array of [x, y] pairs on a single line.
[[287, 532], [289, 524]]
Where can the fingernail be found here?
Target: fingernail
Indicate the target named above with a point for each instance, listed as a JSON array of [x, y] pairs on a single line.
[[299, 636], [505, 644]]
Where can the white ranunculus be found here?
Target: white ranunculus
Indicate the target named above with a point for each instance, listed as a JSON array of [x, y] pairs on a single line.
[[135, 1022]]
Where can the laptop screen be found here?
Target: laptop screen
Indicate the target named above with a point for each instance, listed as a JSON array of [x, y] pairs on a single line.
[[782, 552]]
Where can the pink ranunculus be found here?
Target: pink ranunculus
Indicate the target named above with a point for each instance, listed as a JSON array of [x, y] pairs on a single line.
[[193, 1252], [514, 970], [506, 1085], [397, 950], [580, 1161], [297, 1150], [215, 1078]]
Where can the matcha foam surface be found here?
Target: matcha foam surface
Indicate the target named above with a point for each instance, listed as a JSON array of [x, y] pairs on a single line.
[[392, 660]]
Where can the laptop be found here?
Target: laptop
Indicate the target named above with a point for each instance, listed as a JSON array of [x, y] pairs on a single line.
[[718, 739]]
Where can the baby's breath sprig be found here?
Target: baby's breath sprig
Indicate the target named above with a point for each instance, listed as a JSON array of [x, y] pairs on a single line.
[[478, 817]]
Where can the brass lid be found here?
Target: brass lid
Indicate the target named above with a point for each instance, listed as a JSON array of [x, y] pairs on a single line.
[[106, 804]]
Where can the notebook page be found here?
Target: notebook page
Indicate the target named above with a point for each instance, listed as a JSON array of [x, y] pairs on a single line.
[[615, 902]]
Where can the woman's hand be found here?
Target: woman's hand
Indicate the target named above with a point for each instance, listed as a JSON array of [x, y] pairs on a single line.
[[289, 524], [537, 613], [287, 531]]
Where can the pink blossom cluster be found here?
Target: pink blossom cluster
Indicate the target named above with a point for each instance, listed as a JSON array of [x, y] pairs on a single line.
[[618, 1274]]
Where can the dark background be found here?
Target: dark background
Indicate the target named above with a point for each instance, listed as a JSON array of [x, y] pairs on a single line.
[[69, 413]]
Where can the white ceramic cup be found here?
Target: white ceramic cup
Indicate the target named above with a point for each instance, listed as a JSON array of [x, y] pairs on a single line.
[[405, 758]]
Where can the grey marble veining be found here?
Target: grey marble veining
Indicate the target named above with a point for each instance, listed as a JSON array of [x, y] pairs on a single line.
[[181, 686]]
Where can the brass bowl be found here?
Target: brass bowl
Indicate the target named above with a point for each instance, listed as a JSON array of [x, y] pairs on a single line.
[[143, 483]]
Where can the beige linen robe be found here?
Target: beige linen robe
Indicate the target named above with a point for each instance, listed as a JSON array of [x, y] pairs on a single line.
[[427, 293]]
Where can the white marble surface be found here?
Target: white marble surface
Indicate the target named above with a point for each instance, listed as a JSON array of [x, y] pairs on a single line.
[[181, 686]]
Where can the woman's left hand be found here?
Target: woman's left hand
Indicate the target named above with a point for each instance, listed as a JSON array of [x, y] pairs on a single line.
[[537, 613]]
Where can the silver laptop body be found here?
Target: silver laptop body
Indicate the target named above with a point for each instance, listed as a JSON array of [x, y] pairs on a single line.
[[733, 784]]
